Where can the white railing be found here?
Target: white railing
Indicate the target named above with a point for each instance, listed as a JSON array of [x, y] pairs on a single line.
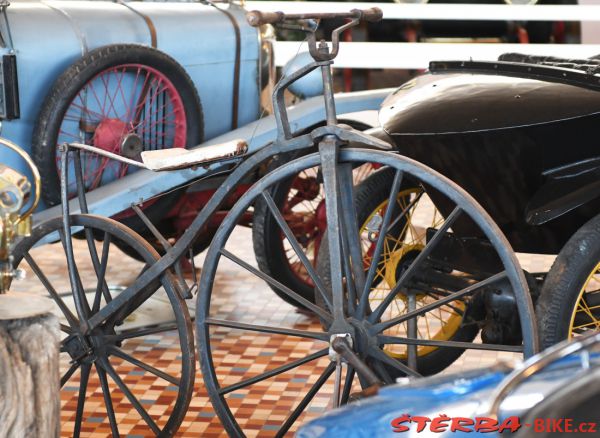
[[418, 55]]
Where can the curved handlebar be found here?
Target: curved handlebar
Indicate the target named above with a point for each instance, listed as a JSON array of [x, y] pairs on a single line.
[[258, 18]]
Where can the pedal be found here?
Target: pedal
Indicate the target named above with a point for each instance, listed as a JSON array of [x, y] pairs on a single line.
[[365, 393]]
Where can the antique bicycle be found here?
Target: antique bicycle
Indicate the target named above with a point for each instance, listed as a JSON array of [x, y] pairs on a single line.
[[147, 367]]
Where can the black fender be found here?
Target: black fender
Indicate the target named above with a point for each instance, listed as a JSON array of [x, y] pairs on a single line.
[[462, 103], [567, 188]]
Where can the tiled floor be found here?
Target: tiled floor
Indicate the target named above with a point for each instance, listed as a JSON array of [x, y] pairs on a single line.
[[238, 296]]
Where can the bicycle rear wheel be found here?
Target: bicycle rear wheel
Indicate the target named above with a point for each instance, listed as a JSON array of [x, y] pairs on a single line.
[[137, 366]]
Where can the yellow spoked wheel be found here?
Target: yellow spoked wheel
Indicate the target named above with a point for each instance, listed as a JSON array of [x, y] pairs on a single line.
[[402, 244], [586, 314], [405, 238]]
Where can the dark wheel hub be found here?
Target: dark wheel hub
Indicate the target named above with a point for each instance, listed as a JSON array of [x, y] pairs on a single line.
[[132, 146], [87, 348], [78, 348], [362, 337]]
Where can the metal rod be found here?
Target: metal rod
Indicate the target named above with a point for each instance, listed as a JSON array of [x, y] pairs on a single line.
[[328, 149], [364, 298], [378, 328], [412, 331], [341, 346], [330, 114], [351, 231]]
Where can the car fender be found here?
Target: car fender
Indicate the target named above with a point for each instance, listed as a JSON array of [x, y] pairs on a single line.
[[463, 103]]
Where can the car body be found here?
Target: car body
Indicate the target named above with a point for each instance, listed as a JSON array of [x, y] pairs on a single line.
[[518, 135], [517, 144]]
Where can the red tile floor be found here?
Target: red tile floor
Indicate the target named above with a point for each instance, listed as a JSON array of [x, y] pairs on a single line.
[[239, 296]]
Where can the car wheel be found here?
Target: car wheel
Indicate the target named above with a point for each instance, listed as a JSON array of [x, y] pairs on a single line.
[[569, 303], [303, 205], [113, 93]]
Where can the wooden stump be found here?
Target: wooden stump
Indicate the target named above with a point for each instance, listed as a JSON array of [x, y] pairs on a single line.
[[29, 367]]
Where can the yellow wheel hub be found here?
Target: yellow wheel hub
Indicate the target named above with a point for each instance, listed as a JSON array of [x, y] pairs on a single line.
[[588, 314], [441, 323]]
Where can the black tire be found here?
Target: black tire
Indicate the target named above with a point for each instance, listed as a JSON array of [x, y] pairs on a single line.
[[65, 90], [270, 254], [268, 245], [565, 282], [369, 195]]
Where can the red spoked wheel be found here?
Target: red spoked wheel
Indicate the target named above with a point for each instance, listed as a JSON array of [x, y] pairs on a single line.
[[123, 99], [303, 206], [124, 110]]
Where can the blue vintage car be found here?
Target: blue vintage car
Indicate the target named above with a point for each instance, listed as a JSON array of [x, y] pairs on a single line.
[[54, 53]]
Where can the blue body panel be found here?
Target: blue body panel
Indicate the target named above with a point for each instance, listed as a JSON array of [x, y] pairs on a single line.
[[455, 395], [48, 37], [372, 416]]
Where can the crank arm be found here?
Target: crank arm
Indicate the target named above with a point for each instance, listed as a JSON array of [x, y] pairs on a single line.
[[341, 346]]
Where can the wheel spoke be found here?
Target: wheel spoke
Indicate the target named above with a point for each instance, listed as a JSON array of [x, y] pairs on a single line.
[[101, 286], [85, 375], [66, 376], [350, 283], [348, 381], [381, 356], [412, 269], [110, 411], [306, 400], [353, 264], [136, 333], [286, 290], [132, 399], [266, 329], [404, 211], [120, 353], [273, 372], [81, 304], [364, 298], [382, 372], [51, 291], [393, 340], [297, 248], [378, 328]]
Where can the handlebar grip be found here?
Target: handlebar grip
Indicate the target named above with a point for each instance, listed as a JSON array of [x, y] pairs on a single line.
[[372, 15], [258, 18]]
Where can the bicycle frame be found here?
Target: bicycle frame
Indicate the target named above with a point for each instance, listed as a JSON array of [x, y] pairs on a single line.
[[328, 138]]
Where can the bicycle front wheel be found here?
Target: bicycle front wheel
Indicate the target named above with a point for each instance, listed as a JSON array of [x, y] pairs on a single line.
[[267, 368]]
